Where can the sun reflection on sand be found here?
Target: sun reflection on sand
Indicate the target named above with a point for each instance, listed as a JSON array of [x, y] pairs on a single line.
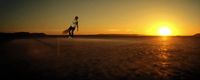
[[163, 56], [164, 50], [163, 59]]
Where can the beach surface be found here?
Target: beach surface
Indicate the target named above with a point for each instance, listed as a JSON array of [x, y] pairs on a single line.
[[145, 58]]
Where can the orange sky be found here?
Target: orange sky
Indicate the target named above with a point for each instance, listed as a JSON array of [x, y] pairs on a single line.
[[101, 16]]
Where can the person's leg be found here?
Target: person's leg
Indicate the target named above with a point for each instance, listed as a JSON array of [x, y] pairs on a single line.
[[72, 32], [69, 33]]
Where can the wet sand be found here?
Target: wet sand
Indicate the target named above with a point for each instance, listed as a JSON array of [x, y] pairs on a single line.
[[148, 58]]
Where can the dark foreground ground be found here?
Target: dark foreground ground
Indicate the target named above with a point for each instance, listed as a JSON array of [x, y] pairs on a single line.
[[155, 58]]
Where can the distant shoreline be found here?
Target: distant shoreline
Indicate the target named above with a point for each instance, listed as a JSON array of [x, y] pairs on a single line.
[[7, 37], [24, 35]]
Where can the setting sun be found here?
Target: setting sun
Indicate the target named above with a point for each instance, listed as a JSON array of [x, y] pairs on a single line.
[[164, 31]]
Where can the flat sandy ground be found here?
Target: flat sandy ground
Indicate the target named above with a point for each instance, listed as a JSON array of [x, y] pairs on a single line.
[[148, 58]]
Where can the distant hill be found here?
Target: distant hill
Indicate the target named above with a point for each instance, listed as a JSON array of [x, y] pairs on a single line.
[[197, 35], [20, 35]]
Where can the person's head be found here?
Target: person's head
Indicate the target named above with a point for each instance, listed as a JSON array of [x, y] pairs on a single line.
[[76, 17]]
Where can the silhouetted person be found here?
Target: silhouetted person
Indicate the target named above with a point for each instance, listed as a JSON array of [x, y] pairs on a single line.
[[72, 27]]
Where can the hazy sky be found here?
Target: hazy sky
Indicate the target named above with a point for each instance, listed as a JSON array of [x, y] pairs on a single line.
[[101, 16]]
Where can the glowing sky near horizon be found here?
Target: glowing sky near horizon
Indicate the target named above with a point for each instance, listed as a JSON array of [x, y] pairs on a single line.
[[101, 16]]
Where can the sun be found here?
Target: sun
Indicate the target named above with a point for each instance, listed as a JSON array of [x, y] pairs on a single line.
[[164, 31]]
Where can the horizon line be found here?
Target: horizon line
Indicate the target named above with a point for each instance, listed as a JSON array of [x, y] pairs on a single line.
[[106, 34]]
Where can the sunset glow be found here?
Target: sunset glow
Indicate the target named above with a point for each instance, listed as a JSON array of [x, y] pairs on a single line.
[[144, 17], [164, 31]]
